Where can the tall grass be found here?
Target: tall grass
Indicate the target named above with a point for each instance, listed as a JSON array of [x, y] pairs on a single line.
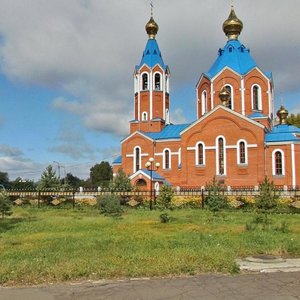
[[50, 245]]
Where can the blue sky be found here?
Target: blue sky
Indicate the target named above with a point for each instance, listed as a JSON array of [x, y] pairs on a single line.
[[66, 67]]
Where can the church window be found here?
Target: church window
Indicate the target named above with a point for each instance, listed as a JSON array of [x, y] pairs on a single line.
[[204, 102], [144, 116], [167, 159], [278, 163], [256, 97], [200, 155], [137, 159], [145, 82], [157, 83], [242, 153], [230, 101], [220, 156]]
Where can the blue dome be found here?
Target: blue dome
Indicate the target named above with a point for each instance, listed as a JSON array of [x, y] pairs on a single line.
[[234, 56], [152, 55]]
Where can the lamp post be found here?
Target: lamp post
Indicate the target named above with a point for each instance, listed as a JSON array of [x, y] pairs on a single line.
[[151, 166]]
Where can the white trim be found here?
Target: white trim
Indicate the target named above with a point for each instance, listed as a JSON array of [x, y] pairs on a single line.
[[134, 133], [179, 157], [226, 109], [293, 165], [243, 95], [151, 95], [191, 148], [281, 143], [204, 107], [211, 95], [164, 94], [274, 162]]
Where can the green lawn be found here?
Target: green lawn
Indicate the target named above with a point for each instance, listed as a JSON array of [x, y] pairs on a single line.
[[49, 245]]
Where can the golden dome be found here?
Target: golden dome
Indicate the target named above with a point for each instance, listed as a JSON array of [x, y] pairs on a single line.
[[282, 114], [224, 95], [152, 28], [233, 26]]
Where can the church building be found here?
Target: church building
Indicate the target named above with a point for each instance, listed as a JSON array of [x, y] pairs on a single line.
[[234, 138]]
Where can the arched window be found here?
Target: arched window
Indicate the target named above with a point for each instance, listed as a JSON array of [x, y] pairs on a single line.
[[256, 97], [230, 100], [145, 82], [137, 159], [204, 102], [167, 159], [278, 162], [157, 83], [221, 156], [144, 116], [242, 153], [200, 154]]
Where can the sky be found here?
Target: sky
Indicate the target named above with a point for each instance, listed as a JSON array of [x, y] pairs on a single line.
[[66, 70]]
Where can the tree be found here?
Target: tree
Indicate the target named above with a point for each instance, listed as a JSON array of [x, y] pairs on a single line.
[[4, 180], [101, 174], [73, 181], [266, 199], [49, 180], [294, 119], [165, 196], [22, 184], [5, 205], [121, 182], [215, 200]]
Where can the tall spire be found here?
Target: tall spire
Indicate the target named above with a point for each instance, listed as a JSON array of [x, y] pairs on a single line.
[[151, 26], [233, 26]]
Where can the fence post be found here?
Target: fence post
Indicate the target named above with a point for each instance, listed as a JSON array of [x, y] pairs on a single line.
[[73, 198], [39, 198], [203, 199]]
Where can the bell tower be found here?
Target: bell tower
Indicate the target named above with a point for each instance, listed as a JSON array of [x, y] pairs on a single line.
[[151, 87]]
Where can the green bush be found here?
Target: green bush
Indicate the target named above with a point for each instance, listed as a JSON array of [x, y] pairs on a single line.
[[164, 200], [110, 205], [215, 200], [164, 218], [5, 205]]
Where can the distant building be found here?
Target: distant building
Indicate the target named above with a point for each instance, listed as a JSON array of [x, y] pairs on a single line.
[[234, 137]]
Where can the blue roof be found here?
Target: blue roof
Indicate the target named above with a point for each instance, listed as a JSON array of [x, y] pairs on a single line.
[[155, 175], [169, 132], [118, 160], [257, 115], [235, 56], [152, 55], [283, 133]]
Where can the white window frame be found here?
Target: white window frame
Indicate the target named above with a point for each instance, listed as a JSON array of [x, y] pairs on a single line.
[[148, 83], [197, 154], [134, 158], [259, 97], [231, 94], [144, 116], [217, 156], [274, 162], [164, 159], [204, 102], [238, 160], [160, 81]]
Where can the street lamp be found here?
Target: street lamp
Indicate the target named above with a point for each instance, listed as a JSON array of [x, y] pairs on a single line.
[[151, 167]]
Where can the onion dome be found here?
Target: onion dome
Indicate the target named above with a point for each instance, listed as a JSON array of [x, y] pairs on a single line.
[[224, 96], [282, 114], [233, 26], [152, 28]]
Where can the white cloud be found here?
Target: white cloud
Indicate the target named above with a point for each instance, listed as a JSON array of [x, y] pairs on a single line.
[[88, 48]]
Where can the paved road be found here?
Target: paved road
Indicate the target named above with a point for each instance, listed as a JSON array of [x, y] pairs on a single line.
[[275, 286]]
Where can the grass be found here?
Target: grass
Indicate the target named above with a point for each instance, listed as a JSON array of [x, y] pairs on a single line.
[[50, 245]]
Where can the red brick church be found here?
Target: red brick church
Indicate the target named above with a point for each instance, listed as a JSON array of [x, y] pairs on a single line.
[[234, 137]]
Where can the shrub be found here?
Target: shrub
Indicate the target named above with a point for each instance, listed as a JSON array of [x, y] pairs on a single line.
[[164, 218], [215, 200], [110, 205], [5, 205], [165, 197]]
